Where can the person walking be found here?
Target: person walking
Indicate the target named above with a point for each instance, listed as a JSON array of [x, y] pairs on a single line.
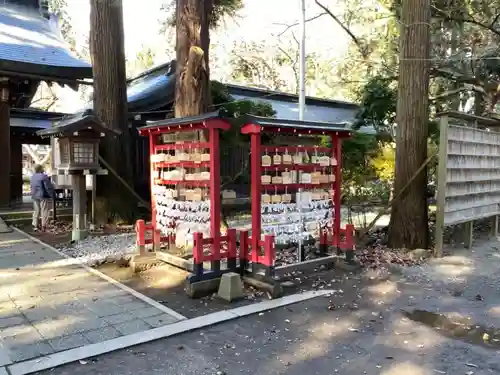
[[42, 191]]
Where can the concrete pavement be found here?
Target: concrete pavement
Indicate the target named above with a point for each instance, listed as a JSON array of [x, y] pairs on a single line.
[[359, 330], [50, 304]]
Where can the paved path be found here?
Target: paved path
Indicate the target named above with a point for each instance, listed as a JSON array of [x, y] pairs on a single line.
[[358, 330], [49, 304]]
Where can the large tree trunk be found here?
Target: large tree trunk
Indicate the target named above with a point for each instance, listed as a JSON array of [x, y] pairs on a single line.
[[409, 219], [110, 103], [192, 89]]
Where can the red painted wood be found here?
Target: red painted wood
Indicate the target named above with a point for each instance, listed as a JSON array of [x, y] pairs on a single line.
[[256, 172], [295, 167], [152, 150], [185, 164], [184, 146], [140, 231], [244, 245], [251, 129], [279, 187], [269, 251], [214, 184], [231, 243], [198, 248], [337, 152]]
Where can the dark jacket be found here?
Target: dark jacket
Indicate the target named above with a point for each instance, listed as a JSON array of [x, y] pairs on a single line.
[[41, 186]]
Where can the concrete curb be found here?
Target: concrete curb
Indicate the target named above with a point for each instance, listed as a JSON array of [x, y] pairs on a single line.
[[93, 350], [4, 228], [95, 272]]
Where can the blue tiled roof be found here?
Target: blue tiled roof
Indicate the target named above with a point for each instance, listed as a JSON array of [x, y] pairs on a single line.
[[32, 44]]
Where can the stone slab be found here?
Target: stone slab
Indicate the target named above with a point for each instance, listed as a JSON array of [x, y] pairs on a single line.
[[132, 326], [146, 312], [14, 320], [50, 304], [68, 342], [100, 335], [160, 320], [119, 318], [29, 351]]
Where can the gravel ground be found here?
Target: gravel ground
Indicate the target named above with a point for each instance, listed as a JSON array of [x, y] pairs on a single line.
[[94, 251]]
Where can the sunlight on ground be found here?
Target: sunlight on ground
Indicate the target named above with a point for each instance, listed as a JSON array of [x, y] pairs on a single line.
[[13, 242], [450, 270], [383, 292], [319, 342], [410, 336], [405, 368], [494, 311], [327, 331]]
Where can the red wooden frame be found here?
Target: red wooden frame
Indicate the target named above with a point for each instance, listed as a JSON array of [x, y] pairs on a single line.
[[254, 130], [212, 126]]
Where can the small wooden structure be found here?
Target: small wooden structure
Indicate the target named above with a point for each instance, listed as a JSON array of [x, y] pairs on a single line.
[[185, 193], [76, 153], [468, 180], [296, 189]]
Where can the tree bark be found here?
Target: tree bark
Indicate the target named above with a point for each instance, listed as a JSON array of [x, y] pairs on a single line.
[[192, 92], [409, 219], [110, 104]]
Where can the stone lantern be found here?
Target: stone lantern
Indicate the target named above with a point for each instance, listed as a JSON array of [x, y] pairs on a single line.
[[75, 153]]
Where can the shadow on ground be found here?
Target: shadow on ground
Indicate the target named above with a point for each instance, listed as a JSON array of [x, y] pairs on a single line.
[[364, 327]]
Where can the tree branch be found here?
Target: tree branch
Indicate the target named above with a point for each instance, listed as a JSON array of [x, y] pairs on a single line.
[[470, 19], [495, 20], [288, 27], [356, 41]]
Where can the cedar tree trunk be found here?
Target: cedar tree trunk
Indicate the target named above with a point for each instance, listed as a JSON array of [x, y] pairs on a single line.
[[110, 104], [409, 219]]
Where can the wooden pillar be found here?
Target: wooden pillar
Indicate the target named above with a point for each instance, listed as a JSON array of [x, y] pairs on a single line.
[[16, 171], [256, 172], [494, 226], [79, 208], [4, 144], [468, 232]]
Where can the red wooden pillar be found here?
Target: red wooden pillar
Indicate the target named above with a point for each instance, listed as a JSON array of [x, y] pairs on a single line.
[[152, 171], [256, 171], [337, 153], [215, 203]]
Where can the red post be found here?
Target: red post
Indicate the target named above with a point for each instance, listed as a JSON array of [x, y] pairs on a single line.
[[243, 250], [350, 245], [323, 241], [215, 196], [140, 230], [152, 171], [156, 239], [269, 255], [198, 254], [337, 153], [256, 172], [231, 249]]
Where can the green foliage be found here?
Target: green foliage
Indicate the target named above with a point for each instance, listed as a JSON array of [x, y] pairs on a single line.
[[236, 111], [377, 99], [224, 8], [144, 60], [384, 163], [233, 141]]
